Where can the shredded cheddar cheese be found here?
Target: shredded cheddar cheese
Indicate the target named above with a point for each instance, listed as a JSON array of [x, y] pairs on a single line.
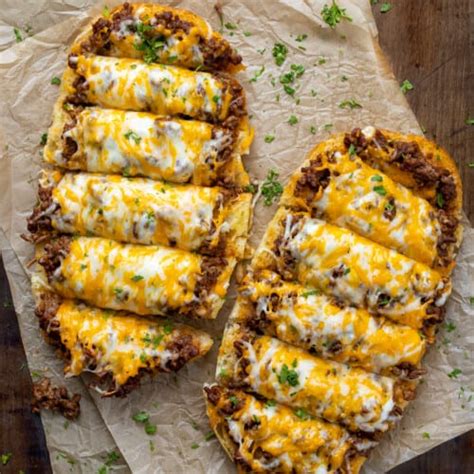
[[136, 210], [368, 202], [291, 443], [140, 143], [142, 279], [335, 392], [359, 271], [310, 319], [121, 344], [130, 84]]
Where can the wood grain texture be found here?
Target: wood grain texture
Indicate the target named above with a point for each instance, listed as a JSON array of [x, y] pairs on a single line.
[[428, 42], [21, 431]]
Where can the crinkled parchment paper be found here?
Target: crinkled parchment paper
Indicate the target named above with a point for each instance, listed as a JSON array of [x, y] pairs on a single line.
[[340, 64]]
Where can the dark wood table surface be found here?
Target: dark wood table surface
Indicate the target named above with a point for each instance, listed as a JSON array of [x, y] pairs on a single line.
[[427, 42]]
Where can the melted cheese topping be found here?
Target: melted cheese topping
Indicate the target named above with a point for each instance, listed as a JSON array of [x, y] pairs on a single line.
[[293, 444], [309, 319], [141, 279], [139, 143], [101, 341], [359, 198], [335, 392], [129, 84], [182, 49], [364, 273], [135, 210]]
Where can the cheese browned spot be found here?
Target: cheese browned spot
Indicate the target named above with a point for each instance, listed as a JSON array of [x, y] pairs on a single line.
[[264, 436], [328, 328], [118, 347], [142, 279], [142, 211]]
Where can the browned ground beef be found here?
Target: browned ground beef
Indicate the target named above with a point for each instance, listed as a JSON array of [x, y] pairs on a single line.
[[183, 350], [49, 397], [54, 252], [38, 222]]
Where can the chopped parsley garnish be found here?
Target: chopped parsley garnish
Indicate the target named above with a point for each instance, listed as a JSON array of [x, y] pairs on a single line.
[[302, 413], [194, 446], [144, 417], [234, 400], [118, 291], [137, 277], [289, 90], [106, 11], [389, 206], [301, 37], [17, 33], [269, 138], [83, 266], [352, 150], [55, 81], [210, 435], [375, 177], [216, 99], [426, 435], [223, 373], [271, 188], [168, 328], [67, 458], [383, 300], [328, 126], [310, 293], [333, 14], [287, 78], [270, 403], [230, 26], [321, 61], [385, 7], [148, 44], [312, 129], [111, 458], [298, 69], [344, 78], [350, 103], [141, 417], [449, 326], [471, 300], [406, 86], [346, 271], [380, 190], [257, 74], [289, 376], [439, 200], [454, 373], [150, 429], [279, 51], [44, 139], [293, 120], [250, 188], [134, 136], [5, 458], [247, 33]]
